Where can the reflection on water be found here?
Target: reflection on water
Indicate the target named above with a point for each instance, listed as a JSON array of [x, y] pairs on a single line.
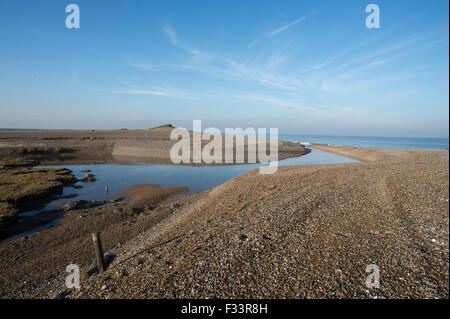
[[120, 177]]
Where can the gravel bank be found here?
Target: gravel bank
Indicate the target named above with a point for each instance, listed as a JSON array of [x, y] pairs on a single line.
[[304, 232]]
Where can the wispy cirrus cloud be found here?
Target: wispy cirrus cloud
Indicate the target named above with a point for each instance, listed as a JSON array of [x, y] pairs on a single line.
[[275, 32], [164, 92], [279, 30], [369, 57], [146, 67], [223, 66], [341, 73], [155, 67], [279, 102], [172, 34], [194, 95]]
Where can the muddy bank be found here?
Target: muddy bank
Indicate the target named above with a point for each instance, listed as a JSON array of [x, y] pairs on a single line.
[[32, 262], [107, 146], [24, 188]]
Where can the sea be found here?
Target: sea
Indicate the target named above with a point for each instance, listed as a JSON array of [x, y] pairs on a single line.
[[370, 141]]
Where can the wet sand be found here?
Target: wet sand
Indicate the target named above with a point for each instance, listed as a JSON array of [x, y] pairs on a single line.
[[304, 232]]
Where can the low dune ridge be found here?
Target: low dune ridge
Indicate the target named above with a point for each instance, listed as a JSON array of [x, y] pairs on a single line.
[[108, 146]]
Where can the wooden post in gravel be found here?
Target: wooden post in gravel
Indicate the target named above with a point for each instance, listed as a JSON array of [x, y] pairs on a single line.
[[98, 252]]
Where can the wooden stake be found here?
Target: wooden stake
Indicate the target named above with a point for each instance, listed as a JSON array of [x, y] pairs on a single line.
[[98, 252]]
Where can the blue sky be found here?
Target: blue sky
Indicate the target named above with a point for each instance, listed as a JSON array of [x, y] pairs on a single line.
[[308, 67]]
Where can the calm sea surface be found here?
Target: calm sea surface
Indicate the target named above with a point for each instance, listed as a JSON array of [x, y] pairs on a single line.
[[370, 141]]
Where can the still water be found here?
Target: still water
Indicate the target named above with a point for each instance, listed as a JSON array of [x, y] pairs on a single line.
[[120, 177]]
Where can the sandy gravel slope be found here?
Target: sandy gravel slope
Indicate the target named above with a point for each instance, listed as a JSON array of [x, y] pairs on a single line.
[[304, 232]]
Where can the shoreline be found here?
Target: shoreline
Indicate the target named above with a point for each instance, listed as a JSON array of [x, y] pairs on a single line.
[[240, 215], [371, 154], [151, 146], [43, 148]]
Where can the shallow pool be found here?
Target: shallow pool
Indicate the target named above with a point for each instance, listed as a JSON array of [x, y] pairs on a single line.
[[120, 177]]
